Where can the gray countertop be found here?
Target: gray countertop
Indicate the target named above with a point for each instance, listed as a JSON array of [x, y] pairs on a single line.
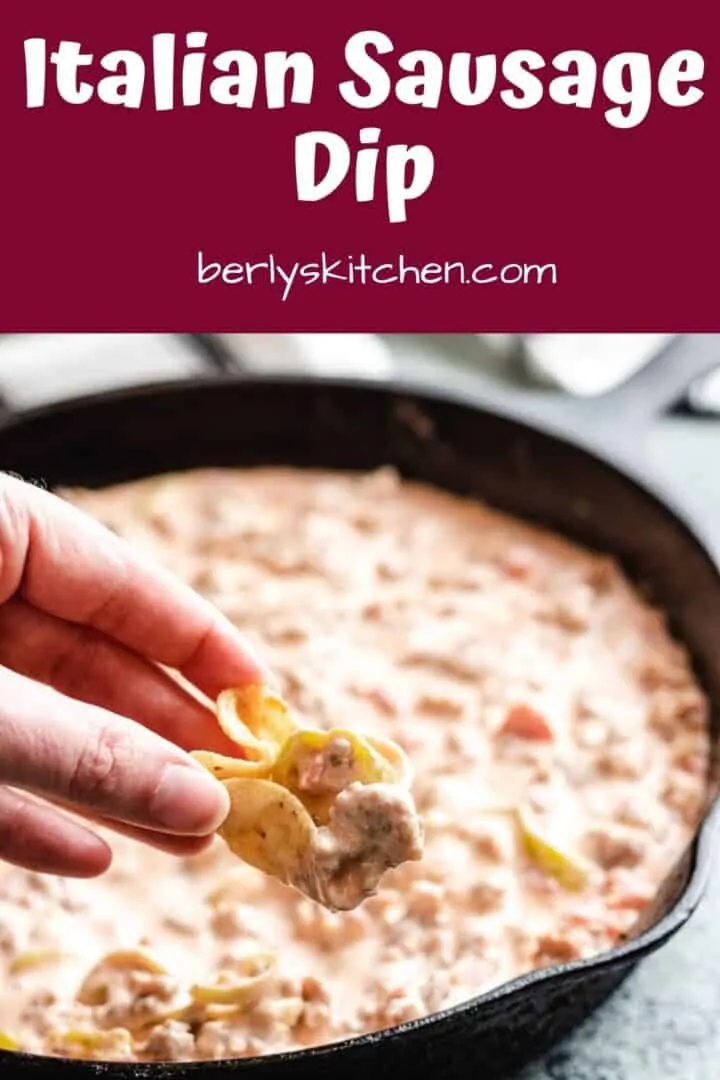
[[664, 1023]]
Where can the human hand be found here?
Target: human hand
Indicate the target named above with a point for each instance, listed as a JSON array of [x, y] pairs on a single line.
[[89, 721]]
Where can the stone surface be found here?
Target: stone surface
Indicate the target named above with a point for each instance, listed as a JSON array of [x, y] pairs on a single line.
[[664, 1022], [36, 369]]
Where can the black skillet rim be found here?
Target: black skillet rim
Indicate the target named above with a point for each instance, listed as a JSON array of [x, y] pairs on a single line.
[[700, 852]]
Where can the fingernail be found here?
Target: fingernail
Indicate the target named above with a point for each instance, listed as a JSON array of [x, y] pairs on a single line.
[[189, 801], [249, 650]]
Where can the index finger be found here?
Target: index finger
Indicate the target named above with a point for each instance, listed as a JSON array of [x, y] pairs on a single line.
[[83, 755], [65, 563]]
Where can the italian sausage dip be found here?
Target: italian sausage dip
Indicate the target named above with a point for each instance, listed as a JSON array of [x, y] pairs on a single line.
[[559, 749]]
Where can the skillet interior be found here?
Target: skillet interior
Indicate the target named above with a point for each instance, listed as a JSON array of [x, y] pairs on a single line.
[[536, 475]]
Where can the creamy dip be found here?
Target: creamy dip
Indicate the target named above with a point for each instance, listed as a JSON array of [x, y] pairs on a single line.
[[515, 668]]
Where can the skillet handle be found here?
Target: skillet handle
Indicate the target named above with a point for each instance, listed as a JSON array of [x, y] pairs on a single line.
[[219, 356], [657, 386], [616, 419]]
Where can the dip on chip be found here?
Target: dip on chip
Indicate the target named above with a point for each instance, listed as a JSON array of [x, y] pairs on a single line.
[[328, 812]]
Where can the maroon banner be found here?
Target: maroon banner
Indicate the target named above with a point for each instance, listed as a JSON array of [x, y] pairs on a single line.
[[286, 167]]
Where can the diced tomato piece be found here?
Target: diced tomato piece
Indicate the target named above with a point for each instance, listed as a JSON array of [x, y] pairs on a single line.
[[629, 902], [526, 723]]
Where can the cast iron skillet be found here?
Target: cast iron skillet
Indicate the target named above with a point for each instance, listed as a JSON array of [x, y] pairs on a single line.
[[510, 450]]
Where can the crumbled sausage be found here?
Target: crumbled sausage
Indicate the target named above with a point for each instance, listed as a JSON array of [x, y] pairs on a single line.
[[634, 811], [484, 897], [659, 669], [329, 769], [601, 574], [372, 611], [572, 611], [178, 925], [487, 845], [441, 705], [392, 1004], [566, 944], [285, 633], [442, 945], [621, 762], [229, 920], [425, 901], [611, 847], [623, 889], [327, 929], [672, 711], [313, 990], [365, 521], [169, 1041], [276, 1016], [8, 939], [383, 701], [316, 1019], [682, 796], [215, 1041], [390, 568]]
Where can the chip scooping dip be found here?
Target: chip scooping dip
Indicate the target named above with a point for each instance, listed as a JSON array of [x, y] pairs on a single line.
[[328, 812]]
